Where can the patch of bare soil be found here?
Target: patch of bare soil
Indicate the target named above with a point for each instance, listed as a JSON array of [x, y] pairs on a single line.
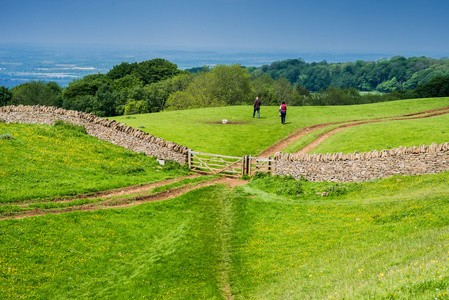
[[228, 122]]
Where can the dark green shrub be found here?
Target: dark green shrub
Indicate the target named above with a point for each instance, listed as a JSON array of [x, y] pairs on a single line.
[[336, 190], [280, 185], [171, 165], [76, 129], [6, 136]]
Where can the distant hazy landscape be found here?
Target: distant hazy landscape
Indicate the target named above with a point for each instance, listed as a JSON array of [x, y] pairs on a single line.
[[19, 64]]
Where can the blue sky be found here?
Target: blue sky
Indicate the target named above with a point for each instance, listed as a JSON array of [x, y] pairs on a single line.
[[397, 27]]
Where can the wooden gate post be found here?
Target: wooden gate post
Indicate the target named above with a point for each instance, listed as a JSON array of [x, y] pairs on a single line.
[[245, 165], [189, 159], [250, 162]]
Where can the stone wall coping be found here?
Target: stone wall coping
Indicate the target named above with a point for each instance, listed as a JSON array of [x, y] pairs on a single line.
[[339, 156]]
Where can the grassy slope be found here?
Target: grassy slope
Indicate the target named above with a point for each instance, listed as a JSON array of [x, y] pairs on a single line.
[[194, 128], [46, 161]]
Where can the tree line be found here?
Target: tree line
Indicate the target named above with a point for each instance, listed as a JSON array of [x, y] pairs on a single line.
[[384, 75], [156, 85]]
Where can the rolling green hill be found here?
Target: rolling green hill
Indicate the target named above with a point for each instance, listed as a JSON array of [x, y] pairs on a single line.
[[272, 238]]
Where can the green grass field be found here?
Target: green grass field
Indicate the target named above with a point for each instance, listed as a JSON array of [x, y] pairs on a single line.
[[202, 130], [272, 238]]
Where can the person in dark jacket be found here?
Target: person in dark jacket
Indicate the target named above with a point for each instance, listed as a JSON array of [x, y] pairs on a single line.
[[257, 107]]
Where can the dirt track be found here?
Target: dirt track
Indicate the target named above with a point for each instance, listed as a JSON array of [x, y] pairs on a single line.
[[133, 196], [281, 144]]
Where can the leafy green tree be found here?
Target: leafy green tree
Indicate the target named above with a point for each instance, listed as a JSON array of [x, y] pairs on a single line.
[[201, 93], [136, 101], [283, 91], [424, 76], [388, 86], [365, 76], [182, 81], [104, 102], [318, 77], [37, 92], [178, 101], [336, 96], [126, 82], [232, 84], [302, 91], [136, 107], [263, 88], [303, 94], [121, 70], [223, 85], [88, 85], [5, 96], [155, 70], [158, 94], [437, 87]]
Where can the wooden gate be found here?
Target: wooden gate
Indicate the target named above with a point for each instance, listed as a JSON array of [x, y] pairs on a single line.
[[216, 164], [227, 165]]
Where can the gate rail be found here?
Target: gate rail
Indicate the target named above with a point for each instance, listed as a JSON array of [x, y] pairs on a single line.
[[258, 164], [232, 166]]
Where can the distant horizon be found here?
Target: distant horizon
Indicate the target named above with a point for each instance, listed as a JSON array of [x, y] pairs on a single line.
[[63, 63], [329, 56]]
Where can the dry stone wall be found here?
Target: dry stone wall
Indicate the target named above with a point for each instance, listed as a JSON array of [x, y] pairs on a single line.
[[108, 130], [364, 166]]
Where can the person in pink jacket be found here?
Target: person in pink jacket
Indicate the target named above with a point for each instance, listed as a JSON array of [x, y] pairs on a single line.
[[283, 110]]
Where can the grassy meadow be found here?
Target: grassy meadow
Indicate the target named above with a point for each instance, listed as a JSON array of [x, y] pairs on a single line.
[[202, 129], [271, 238]]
